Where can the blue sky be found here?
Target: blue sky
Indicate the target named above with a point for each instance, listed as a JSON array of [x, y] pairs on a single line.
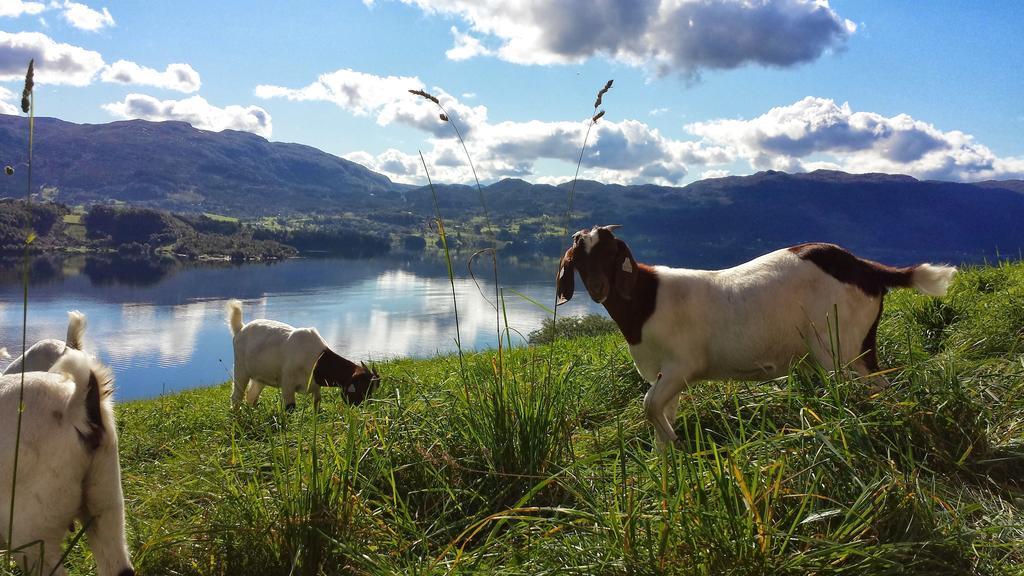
[[702, 88]]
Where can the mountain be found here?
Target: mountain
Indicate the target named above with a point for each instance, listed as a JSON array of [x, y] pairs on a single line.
[[173, 166], [713, 222], [723, 221]]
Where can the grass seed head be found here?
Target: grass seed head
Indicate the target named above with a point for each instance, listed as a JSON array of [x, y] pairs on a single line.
[[427, 95], [444, 117], [597, 116], [601, 93], [29, 84]]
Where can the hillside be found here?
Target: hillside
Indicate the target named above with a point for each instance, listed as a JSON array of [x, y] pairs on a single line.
[[173, 166], [720, 221], [714, 222]]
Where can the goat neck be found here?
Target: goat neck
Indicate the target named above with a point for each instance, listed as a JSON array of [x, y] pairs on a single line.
[[630, 315]]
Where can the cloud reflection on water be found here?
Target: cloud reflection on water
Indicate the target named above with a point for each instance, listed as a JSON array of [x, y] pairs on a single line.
[[172, 335]]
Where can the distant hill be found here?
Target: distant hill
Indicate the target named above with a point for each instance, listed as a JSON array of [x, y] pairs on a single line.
[[173, 166], [720, 221], [713, 222]]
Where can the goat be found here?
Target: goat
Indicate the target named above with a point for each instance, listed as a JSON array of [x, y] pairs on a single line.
[[68, 466], [749, 322], [42, 355], [271, 353]]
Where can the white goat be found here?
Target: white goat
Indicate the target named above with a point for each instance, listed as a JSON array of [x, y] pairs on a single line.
[[68, 466], [749, 322], [42, 355], [271, 353]]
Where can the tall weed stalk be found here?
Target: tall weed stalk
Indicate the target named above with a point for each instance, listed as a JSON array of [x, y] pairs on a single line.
[[27, 106], [516, 416]]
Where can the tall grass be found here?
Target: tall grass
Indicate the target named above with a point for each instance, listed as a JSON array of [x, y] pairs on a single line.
[[516, 415], [28, 107], [809, 474]]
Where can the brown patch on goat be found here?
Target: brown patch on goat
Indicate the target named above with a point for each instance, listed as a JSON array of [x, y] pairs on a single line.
[[872, 278], [333, 371], [869, 349], [630, 315], [627, 289]]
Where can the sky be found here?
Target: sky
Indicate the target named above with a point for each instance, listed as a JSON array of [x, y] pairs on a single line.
[[702, 88]]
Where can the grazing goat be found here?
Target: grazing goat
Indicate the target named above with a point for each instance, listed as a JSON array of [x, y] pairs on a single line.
[[44, 354], [68, 466], [749, 322], [271, 353]]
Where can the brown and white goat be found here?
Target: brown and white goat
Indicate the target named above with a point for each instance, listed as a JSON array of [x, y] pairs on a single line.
[[271, 353], [68, 466], [749, 322]]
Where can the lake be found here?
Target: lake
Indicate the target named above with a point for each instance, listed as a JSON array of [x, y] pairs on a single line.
[[160, 324]]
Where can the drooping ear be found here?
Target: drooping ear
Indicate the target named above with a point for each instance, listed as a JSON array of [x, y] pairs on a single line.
[[565, 284], [625, 270]]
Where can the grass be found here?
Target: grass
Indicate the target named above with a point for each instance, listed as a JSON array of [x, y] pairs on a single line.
[[805, 475], [220, 217]]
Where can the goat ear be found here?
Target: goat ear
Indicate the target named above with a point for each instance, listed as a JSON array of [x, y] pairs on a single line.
[[625, 271], [565, 284]]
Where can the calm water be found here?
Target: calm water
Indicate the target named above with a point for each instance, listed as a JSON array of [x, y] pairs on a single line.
[[161, 327]]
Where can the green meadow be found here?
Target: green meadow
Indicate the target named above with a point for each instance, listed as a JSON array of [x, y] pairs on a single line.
[[538, 460]]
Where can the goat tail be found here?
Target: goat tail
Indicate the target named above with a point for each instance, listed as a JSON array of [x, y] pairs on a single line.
[[76, 330], [4, 355], [931, 279], [234, 308]]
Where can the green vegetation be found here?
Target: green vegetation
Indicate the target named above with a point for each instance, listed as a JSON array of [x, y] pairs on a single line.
[[512, 470], [572, 327], [220, 217]]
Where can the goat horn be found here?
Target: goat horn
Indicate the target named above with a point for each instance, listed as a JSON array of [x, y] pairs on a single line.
[[611, 227]]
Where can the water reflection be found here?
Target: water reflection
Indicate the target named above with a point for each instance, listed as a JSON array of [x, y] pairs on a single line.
[[168, 333]]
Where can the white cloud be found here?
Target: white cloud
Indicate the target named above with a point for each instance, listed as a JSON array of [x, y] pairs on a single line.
[[180, 77], [5, 106], [785, 137], [682, 36], [385, 97], [76, 14], [85, 18], [196, 111], [56, 63], [624, 151], [393, 163], [811, 133], [465, 47], [713, 174], [16, 8], [357, 92], [658, 111]]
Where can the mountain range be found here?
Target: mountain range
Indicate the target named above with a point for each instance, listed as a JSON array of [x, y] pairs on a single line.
[[172, 166]]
